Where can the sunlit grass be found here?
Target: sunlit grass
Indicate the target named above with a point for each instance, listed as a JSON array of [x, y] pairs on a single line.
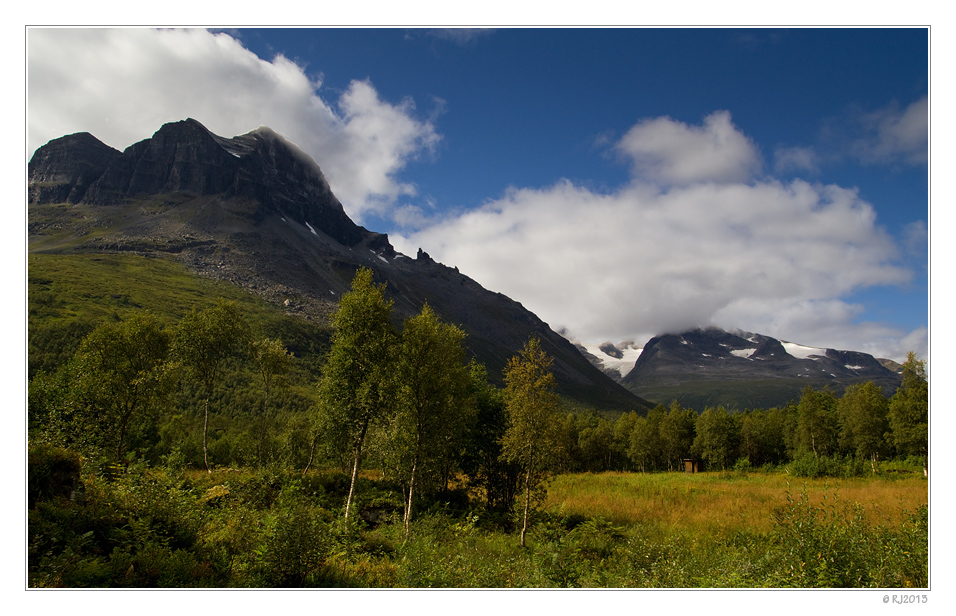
[[722, 502]]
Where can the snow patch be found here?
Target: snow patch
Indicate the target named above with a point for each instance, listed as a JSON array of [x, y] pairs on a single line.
[[849, 367], [803, 352], [311, 229], [622, 365], [745, 353]]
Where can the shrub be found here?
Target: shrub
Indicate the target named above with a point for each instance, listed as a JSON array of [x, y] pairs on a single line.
[[52, 473]]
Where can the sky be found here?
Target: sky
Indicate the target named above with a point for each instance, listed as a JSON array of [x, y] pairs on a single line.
[[619, 182]]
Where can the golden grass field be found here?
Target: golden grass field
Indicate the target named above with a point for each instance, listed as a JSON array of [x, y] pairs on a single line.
[[713, 503]]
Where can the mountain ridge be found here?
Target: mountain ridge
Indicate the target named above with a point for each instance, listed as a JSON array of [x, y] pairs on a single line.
[[744, 369], [256, 211]]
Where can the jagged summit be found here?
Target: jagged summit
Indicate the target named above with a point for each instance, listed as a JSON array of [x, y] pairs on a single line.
[[256, 211]]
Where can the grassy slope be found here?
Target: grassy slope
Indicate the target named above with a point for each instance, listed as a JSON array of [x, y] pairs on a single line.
[[69, 294]]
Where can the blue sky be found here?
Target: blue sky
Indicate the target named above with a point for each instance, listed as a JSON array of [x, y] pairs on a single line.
[[619, 182]]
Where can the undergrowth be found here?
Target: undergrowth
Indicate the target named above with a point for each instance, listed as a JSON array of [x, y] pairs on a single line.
[[157, 527]]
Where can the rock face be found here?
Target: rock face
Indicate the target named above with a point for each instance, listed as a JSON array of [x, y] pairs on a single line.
[[707, 367], [256, 211], [185, 158], [63, 170]]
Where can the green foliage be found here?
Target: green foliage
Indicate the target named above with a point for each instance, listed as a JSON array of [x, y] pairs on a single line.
[[646, 450], [809, 465], [677, 430], [834, 546], [817, 426], [717, 436], [493, 478], [531, 437], [53, 473], [434, 409], [862, 412], [356, 391], [205, 341], [98, 395], [909, 411], [763, 436]]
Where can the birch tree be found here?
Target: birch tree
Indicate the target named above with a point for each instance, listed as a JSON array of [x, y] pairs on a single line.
[[355, 390], [433, 407], [205, 340], [909, 411], [532, 407]]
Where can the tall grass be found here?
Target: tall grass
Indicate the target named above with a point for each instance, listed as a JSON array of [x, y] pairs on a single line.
[[714, 502]]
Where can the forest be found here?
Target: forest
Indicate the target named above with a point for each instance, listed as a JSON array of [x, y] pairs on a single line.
[[218, 448]]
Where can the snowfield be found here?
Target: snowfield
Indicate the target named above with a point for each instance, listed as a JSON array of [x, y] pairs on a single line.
[[623, 365], [803, 352]]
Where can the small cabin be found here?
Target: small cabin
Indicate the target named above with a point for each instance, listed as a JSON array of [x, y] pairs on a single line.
[[692, 465]]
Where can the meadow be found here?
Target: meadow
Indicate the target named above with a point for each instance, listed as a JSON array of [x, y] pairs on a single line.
[[167, 527]]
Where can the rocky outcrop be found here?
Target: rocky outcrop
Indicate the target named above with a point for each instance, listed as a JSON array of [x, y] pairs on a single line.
[[63, 170], [185, 159]]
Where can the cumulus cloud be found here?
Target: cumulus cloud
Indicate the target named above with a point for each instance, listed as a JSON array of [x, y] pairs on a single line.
[[669, 152], [122, 84], [714, 249]]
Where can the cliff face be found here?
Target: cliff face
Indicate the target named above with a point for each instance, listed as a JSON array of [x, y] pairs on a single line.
[[185, 158], [63, 170]]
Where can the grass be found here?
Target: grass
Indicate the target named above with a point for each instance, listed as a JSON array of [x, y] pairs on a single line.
[[721, 502], [99, 286], [69, 294], [260, 528]]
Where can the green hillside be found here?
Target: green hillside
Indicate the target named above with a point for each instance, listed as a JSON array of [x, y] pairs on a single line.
[[70, 294]]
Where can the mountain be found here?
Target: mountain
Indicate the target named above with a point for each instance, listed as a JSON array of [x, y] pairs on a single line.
[[740, 370], [256, 211]]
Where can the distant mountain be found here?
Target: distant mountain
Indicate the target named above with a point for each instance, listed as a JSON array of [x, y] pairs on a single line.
[[256, 211], [740, 370]]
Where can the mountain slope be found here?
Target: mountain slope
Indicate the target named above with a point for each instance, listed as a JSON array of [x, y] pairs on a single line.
[[256, 211], [710, 367]]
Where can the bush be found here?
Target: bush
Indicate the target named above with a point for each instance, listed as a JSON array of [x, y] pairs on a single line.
[[809, 465], [833, 545], [52, 473]]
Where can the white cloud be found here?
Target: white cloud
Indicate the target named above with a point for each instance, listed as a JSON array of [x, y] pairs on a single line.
[[669, 152], [764, 256], [122, 84], [796, 159], [892, 135]]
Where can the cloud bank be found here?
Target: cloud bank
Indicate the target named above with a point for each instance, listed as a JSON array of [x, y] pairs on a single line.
[[693, 240], [122, 84]]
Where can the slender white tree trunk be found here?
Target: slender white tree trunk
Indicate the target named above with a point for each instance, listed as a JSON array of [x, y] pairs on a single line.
[[205, 427], [411, 498], [355, 467], [527, 504]]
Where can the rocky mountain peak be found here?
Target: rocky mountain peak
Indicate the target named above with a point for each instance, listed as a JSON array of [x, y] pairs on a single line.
[[184, 158], [63, 170]]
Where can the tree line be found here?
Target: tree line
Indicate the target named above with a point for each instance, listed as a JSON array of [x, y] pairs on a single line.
[[860, 427]]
